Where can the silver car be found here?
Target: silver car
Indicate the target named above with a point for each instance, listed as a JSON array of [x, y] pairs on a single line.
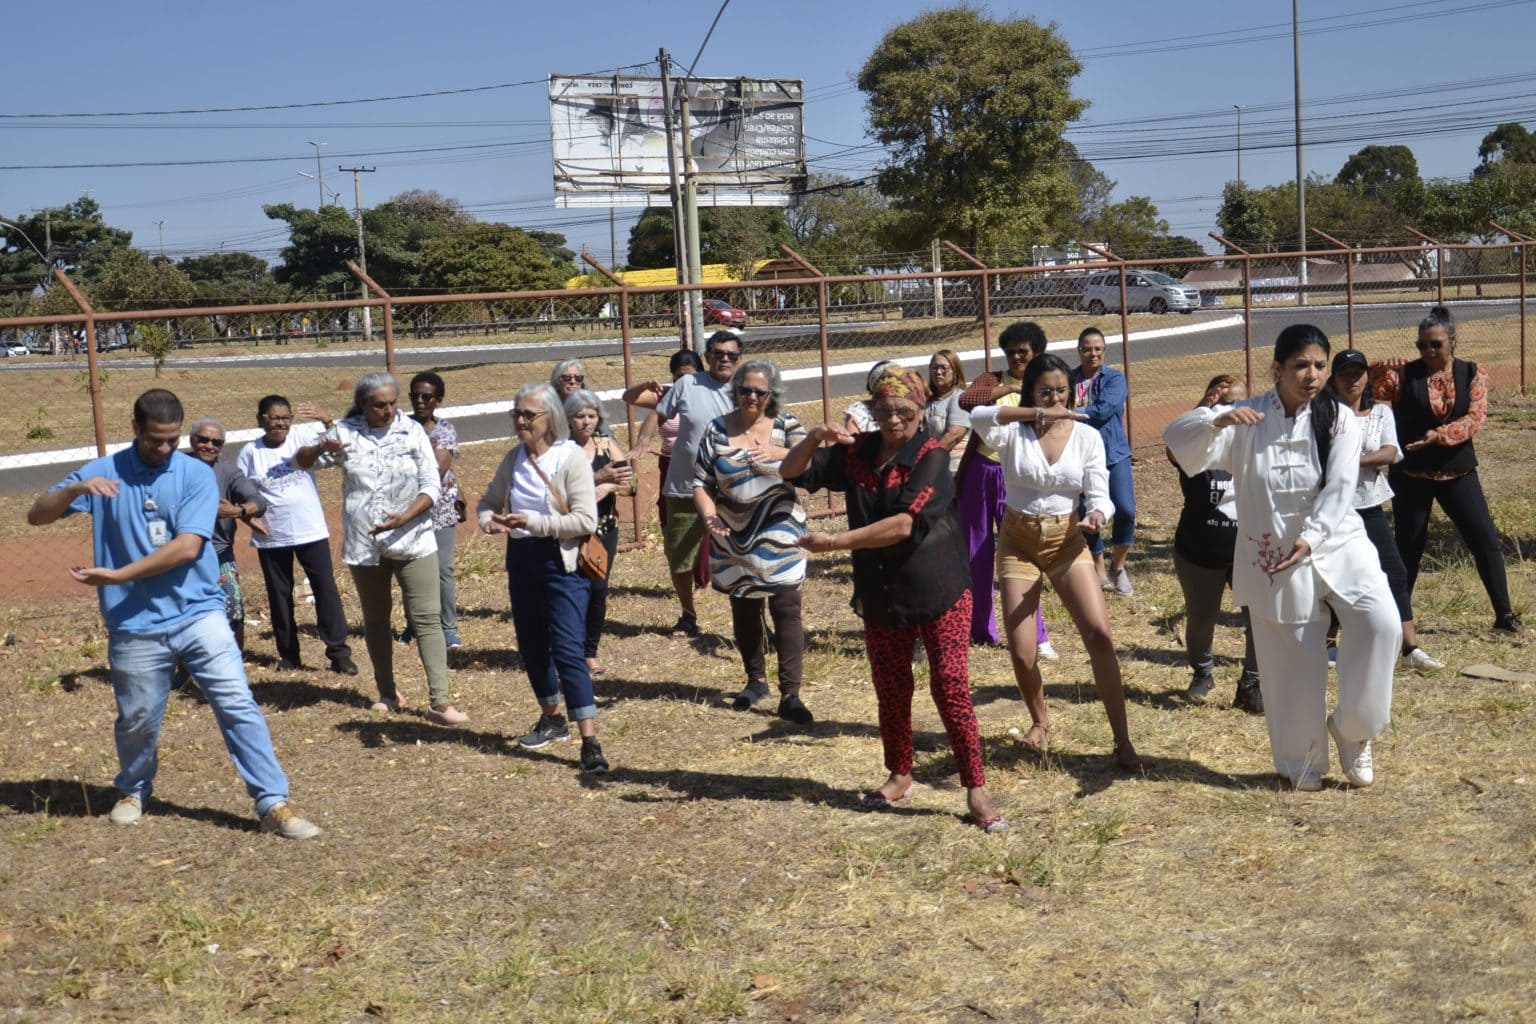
[[1144, 290]]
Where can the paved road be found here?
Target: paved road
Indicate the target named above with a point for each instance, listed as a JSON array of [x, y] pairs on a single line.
[[1266, 324]]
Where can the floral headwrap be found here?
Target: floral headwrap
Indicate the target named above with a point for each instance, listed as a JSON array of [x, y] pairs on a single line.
[[899, 383]]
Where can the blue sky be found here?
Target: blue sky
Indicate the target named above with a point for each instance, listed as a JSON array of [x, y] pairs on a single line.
[[1162, 79]]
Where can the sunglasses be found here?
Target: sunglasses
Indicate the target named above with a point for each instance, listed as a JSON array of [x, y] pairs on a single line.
[[746, 392], [423, 396], [1018, 353], [1432, 346], [217, 442], [885, 412], [724, 355], [572, 378]]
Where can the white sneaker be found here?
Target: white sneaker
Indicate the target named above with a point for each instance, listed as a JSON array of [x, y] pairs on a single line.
[[1354, 758], [1419, 660], [1047, 652], [127, 812], [284, 821]]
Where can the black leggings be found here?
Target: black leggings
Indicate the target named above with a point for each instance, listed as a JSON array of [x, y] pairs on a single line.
[[789, 637], [597, 601], [1464, 504], [1380, 531]]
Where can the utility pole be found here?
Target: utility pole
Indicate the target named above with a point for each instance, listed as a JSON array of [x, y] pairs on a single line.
[[161, 225], [691, 216], [362, 249], [1301, 181], [319, 173], [679, 222]]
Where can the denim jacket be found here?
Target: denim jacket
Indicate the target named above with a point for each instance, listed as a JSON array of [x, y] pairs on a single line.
[[1106, 410]]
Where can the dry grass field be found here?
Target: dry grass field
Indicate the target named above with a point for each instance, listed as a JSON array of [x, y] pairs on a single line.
[[724, 872]]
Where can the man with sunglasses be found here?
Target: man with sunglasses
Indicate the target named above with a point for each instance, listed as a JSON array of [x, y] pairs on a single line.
[[240, 501], [152, 513], [696, 400]]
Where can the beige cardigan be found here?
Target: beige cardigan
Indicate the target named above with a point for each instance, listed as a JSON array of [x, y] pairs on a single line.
[[573, 480]]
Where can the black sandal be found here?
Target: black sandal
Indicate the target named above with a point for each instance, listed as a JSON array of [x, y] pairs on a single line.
[[686, 627]]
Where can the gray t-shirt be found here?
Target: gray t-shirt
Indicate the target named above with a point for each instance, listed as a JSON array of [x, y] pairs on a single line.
[[696, 400], [236, 487]]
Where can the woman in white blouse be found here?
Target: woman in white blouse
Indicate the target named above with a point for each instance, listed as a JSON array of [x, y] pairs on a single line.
[[1049, 460], [1294, 456], [389, 484], [544, 500], [1379, 449]]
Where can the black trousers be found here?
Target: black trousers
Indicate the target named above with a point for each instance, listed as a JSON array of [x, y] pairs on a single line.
[[1379, 529], [277, 571], [1463, 502], [597, 602], [789, 637]]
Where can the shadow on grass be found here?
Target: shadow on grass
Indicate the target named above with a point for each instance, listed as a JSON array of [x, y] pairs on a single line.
[[1095, 773], [288, 694], [69, 798], [73, 682]]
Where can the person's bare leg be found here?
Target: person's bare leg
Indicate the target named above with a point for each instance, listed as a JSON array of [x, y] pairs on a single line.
[[1098, 567], [1020, 600], [1084, 600], [896, 786], [1117, 557], [1410, 635], [682, 585]]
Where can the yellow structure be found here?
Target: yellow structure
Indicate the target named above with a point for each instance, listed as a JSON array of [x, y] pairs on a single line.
[[713, 273]]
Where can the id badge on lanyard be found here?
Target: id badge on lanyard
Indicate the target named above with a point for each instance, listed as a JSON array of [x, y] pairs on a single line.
[[159, 530]]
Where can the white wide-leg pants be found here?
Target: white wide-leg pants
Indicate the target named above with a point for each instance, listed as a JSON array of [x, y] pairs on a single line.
[[1293, 676]]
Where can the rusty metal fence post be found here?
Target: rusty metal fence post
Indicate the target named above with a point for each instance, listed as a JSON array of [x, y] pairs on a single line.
[[986, 315], [1125, 334], [389, 313], [1349, 280], [92, 362], [1521, 250]]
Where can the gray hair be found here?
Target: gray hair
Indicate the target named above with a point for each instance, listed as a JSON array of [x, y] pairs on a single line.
[[875, 373], [581, 399], [768, 369], [559, 427], [207, 421], [561, 367], [366, 385]]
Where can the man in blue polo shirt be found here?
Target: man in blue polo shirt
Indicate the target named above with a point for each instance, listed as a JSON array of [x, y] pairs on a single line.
[[153, 511]]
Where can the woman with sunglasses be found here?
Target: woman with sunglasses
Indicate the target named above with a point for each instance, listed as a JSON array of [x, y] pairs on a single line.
[[1441, 402], [910, 577], [543, 500], [568, 377], [389, 484], [427, 393], [611, 476], [240, 501], [755, 524], [1051, 460]]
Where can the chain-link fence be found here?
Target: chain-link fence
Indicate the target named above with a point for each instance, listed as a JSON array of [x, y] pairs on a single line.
[[1171, 325]]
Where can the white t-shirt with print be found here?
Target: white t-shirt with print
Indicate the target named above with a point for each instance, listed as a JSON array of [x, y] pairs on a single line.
[[294, 514]]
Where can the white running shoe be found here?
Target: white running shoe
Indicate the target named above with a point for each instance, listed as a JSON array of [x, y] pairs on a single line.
[[1421, 661], [1047, 652], [1354, 758]]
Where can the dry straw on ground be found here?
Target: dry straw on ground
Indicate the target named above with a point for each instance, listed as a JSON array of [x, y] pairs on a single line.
[[723, 871]]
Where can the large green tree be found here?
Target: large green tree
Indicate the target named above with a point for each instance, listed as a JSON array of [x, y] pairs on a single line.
[[971, 111], [1508, 145], [74, 237], [837, 219], [727, 234], [131, 279], [490, 257], [1378, 168], [1244, 218], [319, 244]]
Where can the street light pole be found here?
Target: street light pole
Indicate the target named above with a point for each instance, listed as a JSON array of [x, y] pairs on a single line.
[[1301, 181], [319, 173], [1239, 108], [161, 225]]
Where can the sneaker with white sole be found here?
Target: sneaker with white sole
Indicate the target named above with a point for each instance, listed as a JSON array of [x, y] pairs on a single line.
[[1420, 661], [548, 729], [128, 811], [1047, 652], [288, 823], [1354, 758]]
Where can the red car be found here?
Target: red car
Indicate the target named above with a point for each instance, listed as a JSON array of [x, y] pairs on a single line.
[[718, 311]]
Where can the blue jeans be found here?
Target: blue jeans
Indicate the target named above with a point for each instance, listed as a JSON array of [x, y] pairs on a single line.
[[549, 615], [1122, 494], [142, 665]]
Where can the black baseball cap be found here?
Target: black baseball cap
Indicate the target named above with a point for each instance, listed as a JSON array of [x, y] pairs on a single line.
[[1350, 357]]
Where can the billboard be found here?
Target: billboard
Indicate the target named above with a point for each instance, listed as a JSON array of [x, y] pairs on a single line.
[[745, 139]]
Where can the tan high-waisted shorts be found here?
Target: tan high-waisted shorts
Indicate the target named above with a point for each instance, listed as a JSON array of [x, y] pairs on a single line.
[[1029, 547]]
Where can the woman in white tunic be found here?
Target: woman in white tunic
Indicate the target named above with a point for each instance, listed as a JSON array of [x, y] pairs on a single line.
[[1294, 455]]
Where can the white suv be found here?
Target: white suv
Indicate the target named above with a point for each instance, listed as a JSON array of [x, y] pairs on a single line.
[[1144, 290]]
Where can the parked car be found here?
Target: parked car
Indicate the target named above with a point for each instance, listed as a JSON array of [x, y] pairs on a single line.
[[718, 311], [1144, 290], [14, 348]]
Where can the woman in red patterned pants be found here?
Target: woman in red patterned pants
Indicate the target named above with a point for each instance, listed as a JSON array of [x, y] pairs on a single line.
[[911, 576]]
